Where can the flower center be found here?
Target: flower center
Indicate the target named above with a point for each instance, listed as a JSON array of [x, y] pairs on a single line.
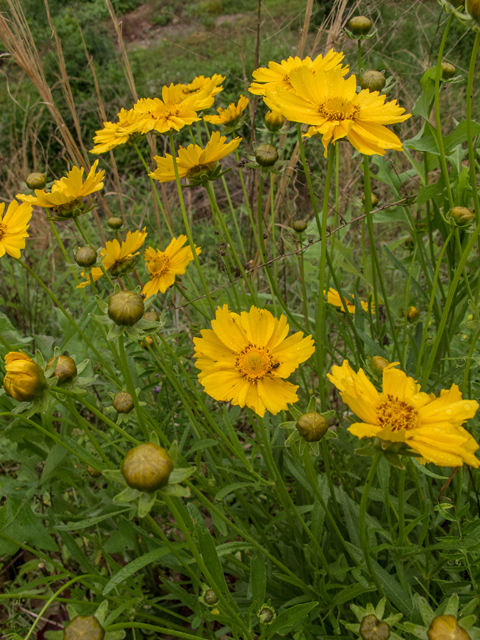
[[160, 265], [3, 230], [254, 362], [338, 109], [396, 414]]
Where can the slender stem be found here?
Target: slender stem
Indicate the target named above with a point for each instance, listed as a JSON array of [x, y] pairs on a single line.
[[359, 53], [431, 303], [321, 280], [71, 320], [151, 627], [439, 138], [448, 303], [401, 508], [373, 248], [361, 521], [187, 225], [247, 201], [85, 426], [154, 190], [468, 364], [131, 388]]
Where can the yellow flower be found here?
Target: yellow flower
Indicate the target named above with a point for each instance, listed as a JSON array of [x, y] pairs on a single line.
[[114, 134], [430, 426], [68, 191], [446, 627], [277, 76], [243, 359], [13, 227], [200, 84], [24, 379], [230, 114], [336, 301], [117, 257], [194, 159], [335, 110], [165, 265], [174, 111]]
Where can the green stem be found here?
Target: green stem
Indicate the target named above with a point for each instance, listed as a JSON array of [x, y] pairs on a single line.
[[359, 53], [401, 508], [439, 138], [71, 320], [373, 248], [187, 225], [361, 521], [151, 627], [469, 361], [84, 424], [131, 388]]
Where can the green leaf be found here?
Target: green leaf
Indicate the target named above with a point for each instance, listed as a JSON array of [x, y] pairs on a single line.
[[208, 550], [394, 592], [258, 579], [232, 487], [423, 469], [351, 592], [179, 475], [133, 567], [89, 522], [202, 444], [289, 618]]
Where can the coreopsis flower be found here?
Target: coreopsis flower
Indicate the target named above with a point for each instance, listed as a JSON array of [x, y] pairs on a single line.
[[117, 258], [173, 112], [201, 84], [163, 266], [231, 114], [194, 160], [14, 227], [114, 134], [66, 195], [333, 298], [334, 109], [24, 378], [245, 357], [277, 76], [402, 413]]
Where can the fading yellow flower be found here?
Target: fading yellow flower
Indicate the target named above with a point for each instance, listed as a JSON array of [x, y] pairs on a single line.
[[13, 227], [194, 160], [163, 266], [244, 358], [114, 134], [229, 115], [173, 111], [335, 110], [201, 84], [430, 426], [277, 76], [334, 299], [24, 379], [117, 257], [67, 192]]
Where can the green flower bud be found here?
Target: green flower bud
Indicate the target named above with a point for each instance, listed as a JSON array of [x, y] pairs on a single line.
[[409, 244], [210, 597], [299, 226], [448, 71], [274, 121], [66, 369], [371, 628], [151, 316], [412, 314], [126, 308], [123, 402], [378, 364], [372, 80], [266, 614], [84, 628], [446, 628], [360, 25], [473, 7], [36, 181], [374, 200], [147, 467], [115, 223], [312, 426], [266, 155], [86, 256], [462, 216]]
